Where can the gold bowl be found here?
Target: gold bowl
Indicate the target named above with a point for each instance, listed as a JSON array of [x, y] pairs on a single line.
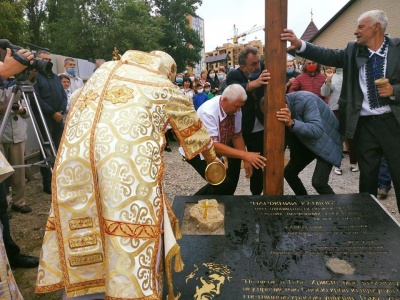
[[215, 173]]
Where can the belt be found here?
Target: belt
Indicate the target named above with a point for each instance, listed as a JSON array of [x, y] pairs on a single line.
[[378, 117]]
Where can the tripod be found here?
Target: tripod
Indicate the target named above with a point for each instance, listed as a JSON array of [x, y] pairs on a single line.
[[46, 144]]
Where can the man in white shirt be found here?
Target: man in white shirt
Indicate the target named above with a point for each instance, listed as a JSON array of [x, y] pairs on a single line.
[[222, 117], [70, 71]]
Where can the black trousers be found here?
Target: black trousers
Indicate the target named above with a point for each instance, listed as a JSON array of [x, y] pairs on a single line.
[[12, 249], [377, 136], [254, 143], [300, 157], [56, 131], [227, 187]]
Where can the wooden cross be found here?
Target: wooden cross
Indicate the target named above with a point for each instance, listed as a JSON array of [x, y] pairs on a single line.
[[274, 96]]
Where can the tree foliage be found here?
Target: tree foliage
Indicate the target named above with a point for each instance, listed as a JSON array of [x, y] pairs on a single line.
[[180, 41], [12, 24], [92, 28]]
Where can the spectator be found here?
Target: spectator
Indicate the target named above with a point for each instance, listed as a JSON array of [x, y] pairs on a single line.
[[53, 103], [192, 77], [13, 145], [66, 83], [371, 114], [179, 79], [222, 118], [70, 71], [331, 90], [312, 132], [213, 80], [97, 63], [222, 80], [188, 88], [200, 97], [203, 77], [207, 90], [291, 73], [310, 79]]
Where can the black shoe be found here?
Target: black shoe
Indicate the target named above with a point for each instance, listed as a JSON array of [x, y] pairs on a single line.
[[47, 189], [168, 149], [24, 261], [383, 193], [23, 209]]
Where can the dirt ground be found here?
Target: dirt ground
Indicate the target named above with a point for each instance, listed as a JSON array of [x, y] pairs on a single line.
[[180, 179]]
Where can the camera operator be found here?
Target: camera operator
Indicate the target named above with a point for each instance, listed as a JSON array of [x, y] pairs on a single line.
[[53, 103], [13, 140], [11, 66], [17, 260]]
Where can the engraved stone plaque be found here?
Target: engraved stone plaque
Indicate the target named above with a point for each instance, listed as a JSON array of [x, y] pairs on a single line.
[[293, 247]]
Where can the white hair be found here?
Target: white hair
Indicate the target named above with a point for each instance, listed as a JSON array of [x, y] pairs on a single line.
[[376, 16], [234, 92]]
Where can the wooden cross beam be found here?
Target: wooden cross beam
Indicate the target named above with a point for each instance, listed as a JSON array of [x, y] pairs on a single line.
[[274, 96]]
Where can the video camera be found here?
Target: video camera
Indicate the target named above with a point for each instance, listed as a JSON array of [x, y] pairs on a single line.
[[38, 64]]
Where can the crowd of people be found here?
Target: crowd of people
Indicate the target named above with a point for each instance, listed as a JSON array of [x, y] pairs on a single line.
[[326, 116]]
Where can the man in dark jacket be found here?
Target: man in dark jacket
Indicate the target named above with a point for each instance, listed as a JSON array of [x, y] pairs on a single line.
[[253, 80], [53, 103], [371, 111], [312, 132]]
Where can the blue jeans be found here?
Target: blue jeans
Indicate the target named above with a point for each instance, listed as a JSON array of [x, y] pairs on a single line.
[[384, 179]]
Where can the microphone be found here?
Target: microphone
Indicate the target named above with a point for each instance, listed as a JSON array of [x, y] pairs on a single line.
[[4, 44]]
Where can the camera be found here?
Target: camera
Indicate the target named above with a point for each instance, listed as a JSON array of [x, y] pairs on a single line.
[[15, 107], [38, 64]]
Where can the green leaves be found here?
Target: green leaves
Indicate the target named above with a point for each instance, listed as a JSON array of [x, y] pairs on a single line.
[[12, 24], [91, 29]]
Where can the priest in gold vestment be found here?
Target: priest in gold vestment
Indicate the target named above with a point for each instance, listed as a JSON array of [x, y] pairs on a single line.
[[111, 229]]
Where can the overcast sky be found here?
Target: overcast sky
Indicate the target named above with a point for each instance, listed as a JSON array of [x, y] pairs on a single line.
[[220, 16]]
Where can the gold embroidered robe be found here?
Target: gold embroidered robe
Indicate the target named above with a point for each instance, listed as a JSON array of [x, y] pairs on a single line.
[[109, 217]]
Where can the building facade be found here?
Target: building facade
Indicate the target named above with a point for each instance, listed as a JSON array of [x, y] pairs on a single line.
[[197, 24], [339, 30], [232, 51]]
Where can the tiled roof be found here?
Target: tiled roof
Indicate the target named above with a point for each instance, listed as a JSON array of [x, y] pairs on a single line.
[[216, 58], [310, 31]]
